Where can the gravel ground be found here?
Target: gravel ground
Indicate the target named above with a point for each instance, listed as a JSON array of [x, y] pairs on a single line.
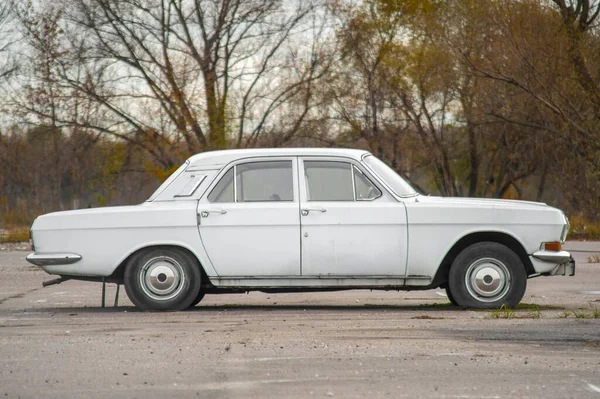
[[14, 246], [58, 342]]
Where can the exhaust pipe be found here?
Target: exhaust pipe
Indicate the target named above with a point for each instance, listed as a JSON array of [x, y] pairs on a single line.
[[55, 281]]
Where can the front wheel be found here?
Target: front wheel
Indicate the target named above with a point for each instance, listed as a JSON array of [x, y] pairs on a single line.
[[162, 279], [199, 297], [487, 275]]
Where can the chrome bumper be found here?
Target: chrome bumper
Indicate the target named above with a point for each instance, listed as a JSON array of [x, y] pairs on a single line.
[[52, 259], [553, 256]]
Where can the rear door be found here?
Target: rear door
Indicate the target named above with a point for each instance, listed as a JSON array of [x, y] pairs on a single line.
[[249, 221], [349, 225]]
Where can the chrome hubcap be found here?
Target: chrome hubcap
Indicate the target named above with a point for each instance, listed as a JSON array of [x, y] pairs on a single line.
[[161, 278], [487, 279]]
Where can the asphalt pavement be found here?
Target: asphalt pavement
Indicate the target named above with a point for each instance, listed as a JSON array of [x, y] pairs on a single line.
[[57, 342]]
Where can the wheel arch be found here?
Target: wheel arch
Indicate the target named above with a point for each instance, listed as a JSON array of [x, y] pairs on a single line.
[[119, 273], [441, 276]]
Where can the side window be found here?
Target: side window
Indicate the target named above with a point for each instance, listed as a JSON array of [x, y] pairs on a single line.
[[255, 181], [192, 185], [264, 181], [365, 190], [223, 191], [328, 181]]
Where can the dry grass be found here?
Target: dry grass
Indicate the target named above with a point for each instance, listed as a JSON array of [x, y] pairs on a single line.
[[593, 259], [583, 229], [15, 234]]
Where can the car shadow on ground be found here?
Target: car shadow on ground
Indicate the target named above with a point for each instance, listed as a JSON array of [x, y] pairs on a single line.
[[252, 307], [285, 307]]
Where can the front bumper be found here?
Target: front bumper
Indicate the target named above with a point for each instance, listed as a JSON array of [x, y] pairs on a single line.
[[553, 256], [52, 259]]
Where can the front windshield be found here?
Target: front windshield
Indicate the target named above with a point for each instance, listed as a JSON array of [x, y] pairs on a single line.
[[389, 176], [168, 181]]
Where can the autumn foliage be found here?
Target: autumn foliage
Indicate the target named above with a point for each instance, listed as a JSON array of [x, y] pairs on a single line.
[[487, 98]]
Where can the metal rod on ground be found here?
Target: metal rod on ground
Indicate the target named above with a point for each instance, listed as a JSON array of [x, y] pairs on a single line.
[[103, 292], [117, 296]]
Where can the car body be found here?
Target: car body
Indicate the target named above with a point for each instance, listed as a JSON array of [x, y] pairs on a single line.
[[280, 220]]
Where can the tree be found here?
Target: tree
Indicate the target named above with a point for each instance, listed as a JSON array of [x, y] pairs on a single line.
[[579, 17], [186, 76], [8, 38]]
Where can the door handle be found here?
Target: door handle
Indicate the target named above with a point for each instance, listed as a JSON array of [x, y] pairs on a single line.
[[205, 214], [306, 211]]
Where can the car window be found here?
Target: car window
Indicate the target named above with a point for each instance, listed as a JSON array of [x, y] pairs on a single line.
[[192, 185], [223, 191], [365, 190], [256, 181], [264, 181], [328, 181]]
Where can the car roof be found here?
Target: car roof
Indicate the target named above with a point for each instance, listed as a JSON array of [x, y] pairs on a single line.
[[218, 158]]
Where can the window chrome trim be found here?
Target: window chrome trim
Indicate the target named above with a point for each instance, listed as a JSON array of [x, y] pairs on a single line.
[[235, 199], [353, 182]]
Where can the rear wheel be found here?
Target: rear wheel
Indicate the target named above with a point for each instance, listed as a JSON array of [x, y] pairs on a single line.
[[162, 279], [450, 297], [487, 275]]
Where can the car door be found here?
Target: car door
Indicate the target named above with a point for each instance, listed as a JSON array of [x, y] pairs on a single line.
[[249, 221], [349, 225]]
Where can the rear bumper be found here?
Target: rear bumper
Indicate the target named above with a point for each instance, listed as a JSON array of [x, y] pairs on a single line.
[[52, 259]]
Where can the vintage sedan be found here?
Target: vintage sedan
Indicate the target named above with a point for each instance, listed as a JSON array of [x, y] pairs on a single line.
[[278, 220]]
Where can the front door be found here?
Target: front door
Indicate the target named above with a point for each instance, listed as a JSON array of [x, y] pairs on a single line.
[[349, 226], [249, 221]]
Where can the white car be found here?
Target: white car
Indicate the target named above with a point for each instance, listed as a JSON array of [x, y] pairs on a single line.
[[278, 220]]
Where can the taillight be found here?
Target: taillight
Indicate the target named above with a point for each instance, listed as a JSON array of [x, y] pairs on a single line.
[[31, 239]]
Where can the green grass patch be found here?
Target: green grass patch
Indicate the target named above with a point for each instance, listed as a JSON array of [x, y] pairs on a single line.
[[589, 312], [507, 313], [564, 315], [533, 306], [503, 313]]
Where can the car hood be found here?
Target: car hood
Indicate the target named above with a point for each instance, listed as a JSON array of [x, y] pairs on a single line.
[[481, 211]]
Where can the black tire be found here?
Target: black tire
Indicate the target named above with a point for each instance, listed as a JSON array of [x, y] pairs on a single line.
[[199, 297], [487, 275], [450, 297], [162, 279]]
